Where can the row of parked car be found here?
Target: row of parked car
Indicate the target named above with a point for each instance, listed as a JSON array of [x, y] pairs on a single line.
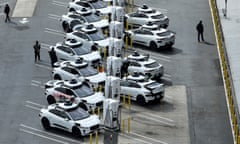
[[72, 94]]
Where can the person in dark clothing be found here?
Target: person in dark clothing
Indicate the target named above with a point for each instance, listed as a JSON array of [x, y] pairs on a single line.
[[7, 11], [53, 56], [37, 48], [200, 30]]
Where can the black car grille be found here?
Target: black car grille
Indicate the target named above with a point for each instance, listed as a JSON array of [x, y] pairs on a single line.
[[99, 104], [94, 127]]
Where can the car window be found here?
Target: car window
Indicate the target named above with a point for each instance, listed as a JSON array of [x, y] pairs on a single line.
[[140, 31], [75, 22], [84, 36], [157, 16], [146, 32], [62, 90], [134, 85], [152, 65], [67, 69], [167, 33], [92, 18], [75, 72], [78, 114], [83, 91], [84, 4], [69, 92], [88, 71], [74, 16], [65, 49], [123, 83], [78, 34], [135, 64], [98, 4]]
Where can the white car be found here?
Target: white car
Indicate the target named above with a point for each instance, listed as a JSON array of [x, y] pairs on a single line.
[[93, 5], [149, 36], [69, 117], [144, 15], [84, 18], [141, 89], [68, 70], [78, 91], [72, 50], [143, 65]]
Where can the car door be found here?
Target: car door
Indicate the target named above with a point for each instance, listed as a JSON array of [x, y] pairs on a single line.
[[129, 88], [138, 36], [139, 19], [60, 94], [63, 53], [60, 119], [67, 73]]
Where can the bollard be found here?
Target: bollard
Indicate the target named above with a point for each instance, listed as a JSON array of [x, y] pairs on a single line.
[[96, 139], [99, 112], [124, 101], [123, 126], [131, 42], [90, 139], [100, 88], [105, 53], [132, 5], [129, 124], [126, 39], [129, 101], [93, 111], [238, 141]]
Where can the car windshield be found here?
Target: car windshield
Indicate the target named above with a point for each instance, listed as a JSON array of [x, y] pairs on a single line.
[[80, 50], [88, 71], [162, 34], [92, 18], [96, 36], [78, 114], [157, 16], [83, 90], [152, 65], [98, 4]]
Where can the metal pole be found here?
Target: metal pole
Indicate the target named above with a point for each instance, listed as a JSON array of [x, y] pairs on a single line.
[[225, 14]]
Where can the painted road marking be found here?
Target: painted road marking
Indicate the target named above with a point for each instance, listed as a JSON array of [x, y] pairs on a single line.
[[145, 137], [33, 84], [61, 4], [33, 107], [137, 139], [55, 32], [43, 66], [50, 134], [33, 103], [53, 16], [45, 46], [24, 8], [38, 82], [42, 136]]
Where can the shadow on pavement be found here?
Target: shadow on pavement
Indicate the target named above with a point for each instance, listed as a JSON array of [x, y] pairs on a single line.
[[170, 51], [208, 43]]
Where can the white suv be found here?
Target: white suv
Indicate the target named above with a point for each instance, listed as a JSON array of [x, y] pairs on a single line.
[[69, 117], [141, 89]]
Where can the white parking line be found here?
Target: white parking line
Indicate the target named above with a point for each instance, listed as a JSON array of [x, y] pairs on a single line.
[[167, 75], [42, 66], [33, 84], [166, 78], [63, 3], [45, 48], [33, 107], [59, 4], [54, 15], [33, 103], [51, 17], [38, 82], [49, 134], [137, 139], [157, 120], [46, 45], [157, 116], [155, 140], [54, 33], [42, 136]]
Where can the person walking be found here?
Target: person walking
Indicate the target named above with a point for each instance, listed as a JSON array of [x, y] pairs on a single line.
[[7, 11], [53, 56], [200, 30], [37, 48]]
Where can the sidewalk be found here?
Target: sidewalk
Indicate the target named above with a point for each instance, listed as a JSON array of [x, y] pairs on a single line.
[[231, 34]]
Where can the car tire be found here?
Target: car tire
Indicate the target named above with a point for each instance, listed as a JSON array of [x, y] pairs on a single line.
[[51, 100], [57, 77], [72, 10], [46, 123], [65, 26], [141, 100], [76, 132], [153, 45]]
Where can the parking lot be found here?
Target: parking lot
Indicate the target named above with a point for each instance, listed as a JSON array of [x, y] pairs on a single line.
[[166, 122]]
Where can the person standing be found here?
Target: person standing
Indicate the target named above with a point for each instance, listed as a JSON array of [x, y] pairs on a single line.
[[53, 56], [200, 30], [7, 11], [37, 48]]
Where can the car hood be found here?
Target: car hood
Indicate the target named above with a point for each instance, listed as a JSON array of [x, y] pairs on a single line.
[[95, 98], [101, 24], [91, 56], [100, 77], [89, 122], [103, 43]]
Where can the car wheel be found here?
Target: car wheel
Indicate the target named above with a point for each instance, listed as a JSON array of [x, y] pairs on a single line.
[[141, 100], [153, 45], [57, 77], [76, 132], [72, 10], [51, 100], [65, 26], [45, 123]]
